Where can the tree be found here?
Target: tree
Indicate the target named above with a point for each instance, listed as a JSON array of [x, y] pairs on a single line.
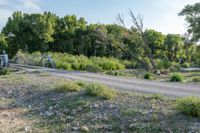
[[32, 32], [174, 46], [192, 13], [139, 27], [155, 41], [3, 43]]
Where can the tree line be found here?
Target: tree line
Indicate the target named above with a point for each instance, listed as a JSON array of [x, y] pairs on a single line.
[[48, 32]]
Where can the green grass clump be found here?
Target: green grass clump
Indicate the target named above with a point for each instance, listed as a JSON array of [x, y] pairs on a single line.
[[176, 78], [148, 76], [100, 91], [4, 71], [67, 86], [197, 79], [189, 106]]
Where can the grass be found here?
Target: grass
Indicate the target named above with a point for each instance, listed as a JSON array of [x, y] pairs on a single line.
[[67, 86], [189, 106], [100, 91]]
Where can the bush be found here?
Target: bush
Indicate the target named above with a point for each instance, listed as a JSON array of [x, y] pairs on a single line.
[[70, 62], [186, 65], [116, 73], [189, 106], [197, 79], [176, 78], [100, 91], [93, 68], [175, 66], [148, 76], [4, 71], [67, 86], [129, 64], [163, 64]]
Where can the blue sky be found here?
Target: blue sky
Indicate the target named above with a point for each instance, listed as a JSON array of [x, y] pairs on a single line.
[[161, 15]]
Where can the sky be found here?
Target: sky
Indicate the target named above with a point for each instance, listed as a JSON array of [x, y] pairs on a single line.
[[161, 15]]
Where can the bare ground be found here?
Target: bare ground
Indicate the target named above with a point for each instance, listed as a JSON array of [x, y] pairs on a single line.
[[28, 103]]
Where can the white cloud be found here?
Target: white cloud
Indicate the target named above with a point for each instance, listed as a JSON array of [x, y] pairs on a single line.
[[7, 7]]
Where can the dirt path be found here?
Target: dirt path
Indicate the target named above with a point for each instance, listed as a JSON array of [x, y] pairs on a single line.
[[126, 84]]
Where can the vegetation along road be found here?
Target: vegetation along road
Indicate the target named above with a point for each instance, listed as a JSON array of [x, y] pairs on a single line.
[[125, 83]]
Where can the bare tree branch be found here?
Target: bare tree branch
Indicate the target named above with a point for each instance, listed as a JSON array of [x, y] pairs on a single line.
[[120, 20]]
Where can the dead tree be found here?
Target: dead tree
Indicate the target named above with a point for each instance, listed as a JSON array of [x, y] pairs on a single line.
[[138, 24]]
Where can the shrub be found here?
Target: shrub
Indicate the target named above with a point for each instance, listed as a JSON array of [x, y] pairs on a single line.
[[129, 64], [93, 68], [197, 79], [70, 62], [107, 63], [176, 78], [4, 71], [163, 64], [67, 86], [175, 66], [100, 91], [186, 65], [148, 76], [116, 73], [189, 106]]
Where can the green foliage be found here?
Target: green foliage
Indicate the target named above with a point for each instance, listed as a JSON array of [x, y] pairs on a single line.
[[129, 64], [3, 43], [4, 71], [100, 91], [163, 64], [191, 13], [148, 76], [93, 68], [175, 66], [47, 32], [189, 106], [155, 41], [174, 47], [67, 86], [70, 62], [186, 65], [197, 79], [116, 73], [176, 77]]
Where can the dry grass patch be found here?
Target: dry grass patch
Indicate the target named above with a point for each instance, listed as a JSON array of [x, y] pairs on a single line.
[[67, 86], [100, 91]]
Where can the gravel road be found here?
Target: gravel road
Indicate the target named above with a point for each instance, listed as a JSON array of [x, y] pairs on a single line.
[[125, 83]]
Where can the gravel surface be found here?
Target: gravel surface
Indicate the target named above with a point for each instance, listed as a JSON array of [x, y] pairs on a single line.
[[125, 83]]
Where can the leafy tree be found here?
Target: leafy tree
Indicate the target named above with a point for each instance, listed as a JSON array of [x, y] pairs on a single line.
[[3, 43], [192, 13], [174, 46], [155, 41], [32, 31]]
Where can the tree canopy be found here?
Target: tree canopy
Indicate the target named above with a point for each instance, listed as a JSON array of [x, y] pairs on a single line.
[[70, 34]]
